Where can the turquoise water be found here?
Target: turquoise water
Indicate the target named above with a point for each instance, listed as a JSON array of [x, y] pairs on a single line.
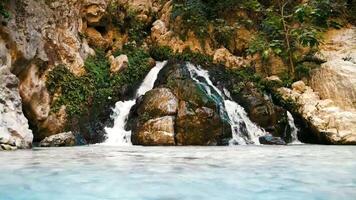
[[179, 173]]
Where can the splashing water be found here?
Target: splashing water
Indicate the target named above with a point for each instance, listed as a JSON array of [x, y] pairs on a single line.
[[244, 131], [294, 129], [117, 135]]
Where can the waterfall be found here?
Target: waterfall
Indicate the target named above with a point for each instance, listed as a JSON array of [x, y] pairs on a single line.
[[244, 131], [294, 129], [117, 135]]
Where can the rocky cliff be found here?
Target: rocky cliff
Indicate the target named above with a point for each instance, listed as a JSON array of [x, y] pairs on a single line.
[[329, 102], [74, 58]]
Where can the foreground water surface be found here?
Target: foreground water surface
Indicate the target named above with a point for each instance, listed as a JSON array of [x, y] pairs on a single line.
[[179, 173]]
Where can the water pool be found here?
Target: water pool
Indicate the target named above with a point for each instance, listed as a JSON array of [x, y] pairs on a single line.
[[179, 173]]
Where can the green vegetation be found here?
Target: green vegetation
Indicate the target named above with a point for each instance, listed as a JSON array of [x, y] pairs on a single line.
[[126, 21], [283, 27], [3, 11], [161, 53], [97, 88]]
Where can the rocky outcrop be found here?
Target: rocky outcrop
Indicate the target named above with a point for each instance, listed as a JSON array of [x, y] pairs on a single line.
[[331, 124], [178, 112], [118, 64], [40, 35], [14, 129], [336, 78], [228, 59], [59, 140], [262, 111], [327, 105]]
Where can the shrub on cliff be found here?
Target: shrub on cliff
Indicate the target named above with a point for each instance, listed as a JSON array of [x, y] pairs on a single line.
[[3, 11], [97, 88]]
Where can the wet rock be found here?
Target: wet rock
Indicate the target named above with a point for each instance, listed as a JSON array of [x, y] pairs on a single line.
[[59, 140], [196, 118], [7, 147], [198, 126], [263, 112], [158, 102], [270, 140], [158, 131]]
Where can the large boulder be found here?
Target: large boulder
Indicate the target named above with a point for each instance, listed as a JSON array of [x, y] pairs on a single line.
[[14, 128], [59, 140], [263, 112], [178, 112], [152, 119], [158, 102], [270, 140], [158, 131], [199, 125]]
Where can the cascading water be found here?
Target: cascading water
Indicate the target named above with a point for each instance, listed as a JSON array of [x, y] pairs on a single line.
[[294, 129], [117, 135], [243, 129]]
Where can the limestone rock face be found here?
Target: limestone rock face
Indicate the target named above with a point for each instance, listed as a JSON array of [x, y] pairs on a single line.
[[333, 124], [14, 129], [336, 79], [224, 56], [59, 140], [38, 36], [329, 104]]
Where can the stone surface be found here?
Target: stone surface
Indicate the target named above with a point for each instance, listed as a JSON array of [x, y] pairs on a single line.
[[38, 36], [198, 126], [333, 124], [159, 102], [59, 140], [336, 78], [119, 63], [158, 131], [14, 128], [270, 140], [262, 111], [194, 117], [329, 104], [299, 86], [228, 59]]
